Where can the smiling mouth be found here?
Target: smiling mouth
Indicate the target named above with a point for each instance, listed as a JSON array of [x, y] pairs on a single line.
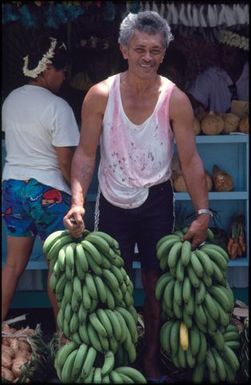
[[146, 66]]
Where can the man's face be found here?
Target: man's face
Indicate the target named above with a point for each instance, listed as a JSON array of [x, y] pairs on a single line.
[[144, 53]]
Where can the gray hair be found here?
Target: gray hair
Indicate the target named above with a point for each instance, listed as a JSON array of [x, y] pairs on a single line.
[[148, 21]]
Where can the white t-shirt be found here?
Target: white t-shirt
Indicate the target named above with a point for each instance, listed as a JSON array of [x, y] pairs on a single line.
[[34, 120], [134, 157], [211, 88]]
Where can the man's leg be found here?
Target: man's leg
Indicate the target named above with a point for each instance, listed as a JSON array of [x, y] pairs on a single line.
[[151, 313], [154, 221]]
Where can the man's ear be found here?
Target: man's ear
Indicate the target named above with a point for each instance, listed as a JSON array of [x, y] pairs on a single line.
[[124, 51]]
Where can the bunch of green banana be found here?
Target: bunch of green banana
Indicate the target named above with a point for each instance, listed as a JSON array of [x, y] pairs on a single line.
[[186, 347], [96, 306], [221, 363], [196, 300]]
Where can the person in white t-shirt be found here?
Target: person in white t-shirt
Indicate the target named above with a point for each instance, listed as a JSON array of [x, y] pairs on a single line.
[[41, 134], [135, 116], [216, 87]]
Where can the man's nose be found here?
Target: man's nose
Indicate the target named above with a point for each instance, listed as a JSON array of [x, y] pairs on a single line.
[[147, 56]]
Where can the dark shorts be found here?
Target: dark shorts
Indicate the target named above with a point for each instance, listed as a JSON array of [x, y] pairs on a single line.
[[31, 208], [143, 225]]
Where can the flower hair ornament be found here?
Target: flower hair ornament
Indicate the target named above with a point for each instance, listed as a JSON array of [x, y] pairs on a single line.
[[42, 64], [233, 39]]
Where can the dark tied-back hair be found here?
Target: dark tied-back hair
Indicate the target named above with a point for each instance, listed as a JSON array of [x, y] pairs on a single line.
[[45, 51]]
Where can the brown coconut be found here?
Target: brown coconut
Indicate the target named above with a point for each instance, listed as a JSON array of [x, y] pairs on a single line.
[[212, 124], [231, 122], [244, 125]]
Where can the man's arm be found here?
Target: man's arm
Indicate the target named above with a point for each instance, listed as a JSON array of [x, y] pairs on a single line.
[[83, 163], [181, 115]]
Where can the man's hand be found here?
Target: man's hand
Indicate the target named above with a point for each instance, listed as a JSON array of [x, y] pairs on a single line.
[[197, 231], [74, 222]]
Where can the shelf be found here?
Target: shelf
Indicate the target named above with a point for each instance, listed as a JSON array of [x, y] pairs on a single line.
[[231, 138], [238, 262], [232, 195]]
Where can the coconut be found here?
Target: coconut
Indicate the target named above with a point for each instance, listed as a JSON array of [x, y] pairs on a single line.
[[212, 124], [231, 122], [244, 125]]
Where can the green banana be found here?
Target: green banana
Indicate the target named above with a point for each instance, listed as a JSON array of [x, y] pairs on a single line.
[[164, 245], [220, 296], [93, 337], [177, 293], [161, 284], [79, 360], [81, 258], [220, 367], [174, 337], [52, 238], [111, 241], [133, 373], [195, 340], [130, 322], [111, 279], [93, 251], [165, 333], [116, 326], [196, 264], [186, 252], [99, 242], [110, 300], [66, 373], [180, 271], [195, 282], [93, 266], [174, 254], [205, 261], [211, 306], [186, 290], [91, 287], [64, 352], [230, 357], [105, 320], [216, 256], [200, 293], [198, 373], [168, 294], [101, 289], [97, 324], [89, 362]]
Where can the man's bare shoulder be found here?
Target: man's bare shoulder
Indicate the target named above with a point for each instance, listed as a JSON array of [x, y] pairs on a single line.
[[179, 100], [97, 95]]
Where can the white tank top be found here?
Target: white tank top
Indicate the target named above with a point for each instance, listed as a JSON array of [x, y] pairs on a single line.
[[134, 157]]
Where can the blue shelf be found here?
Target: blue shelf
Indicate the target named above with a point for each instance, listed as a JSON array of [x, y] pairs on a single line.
[[238, 262], [231, 195], [231, 138]]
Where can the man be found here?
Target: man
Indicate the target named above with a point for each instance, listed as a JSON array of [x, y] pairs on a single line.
[[216, 87], [135, 115]]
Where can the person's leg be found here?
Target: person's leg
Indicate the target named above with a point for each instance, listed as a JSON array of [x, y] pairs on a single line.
[[118, 223], [156, 220], [151, 314], [18, 253], [48, 215]]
